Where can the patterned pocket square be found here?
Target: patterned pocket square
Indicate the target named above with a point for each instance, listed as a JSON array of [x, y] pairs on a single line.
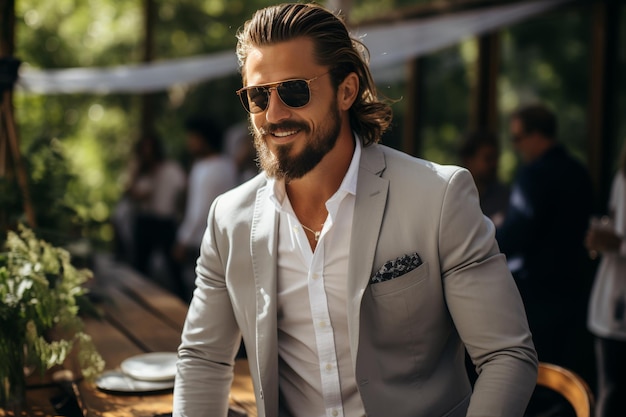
[[397, 267]]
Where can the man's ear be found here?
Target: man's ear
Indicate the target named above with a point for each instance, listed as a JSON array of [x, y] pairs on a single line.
[[348, 91]]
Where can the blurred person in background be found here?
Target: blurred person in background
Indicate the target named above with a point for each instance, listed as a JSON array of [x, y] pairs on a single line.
[[543, 236], [239, 142], [212, 173], [480, 154], [156, 191], [607, 308]]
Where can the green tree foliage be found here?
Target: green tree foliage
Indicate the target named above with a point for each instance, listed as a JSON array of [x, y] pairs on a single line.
[[94, 134], [448, 80], [49, 176], [97, 132], [545, 59], [74, 143]]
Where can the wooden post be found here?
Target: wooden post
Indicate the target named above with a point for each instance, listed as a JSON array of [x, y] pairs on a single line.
[[603, 100], [10, 132], [484, 113], [7, 25], [413, 118], [7, 28], [148, 99], [9, 143]]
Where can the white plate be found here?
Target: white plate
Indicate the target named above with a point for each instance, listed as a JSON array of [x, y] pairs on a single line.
[[120, 382], [155, 366]]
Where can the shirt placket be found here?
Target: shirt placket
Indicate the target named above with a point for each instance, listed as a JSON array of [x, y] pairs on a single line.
[[329, 370], [324, 337]]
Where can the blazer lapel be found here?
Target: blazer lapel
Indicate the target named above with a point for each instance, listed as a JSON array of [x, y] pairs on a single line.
[[371, 198], [264, 246]]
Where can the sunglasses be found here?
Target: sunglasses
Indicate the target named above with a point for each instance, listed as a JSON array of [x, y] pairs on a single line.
[[293, 93]]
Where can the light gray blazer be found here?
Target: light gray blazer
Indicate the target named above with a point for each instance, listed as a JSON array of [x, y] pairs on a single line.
[[406, 334]]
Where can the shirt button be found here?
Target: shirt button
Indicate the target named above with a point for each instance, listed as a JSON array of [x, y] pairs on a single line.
[[335, 413], [322, 324], [316, 276], [329, 367]]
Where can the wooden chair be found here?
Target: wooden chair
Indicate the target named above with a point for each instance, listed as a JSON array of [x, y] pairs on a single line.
[[568, 384]]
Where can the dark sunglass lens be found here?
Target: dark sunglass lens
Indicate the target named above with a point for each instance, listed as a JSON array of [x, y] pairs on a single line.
[[257, 99], [294, 93]]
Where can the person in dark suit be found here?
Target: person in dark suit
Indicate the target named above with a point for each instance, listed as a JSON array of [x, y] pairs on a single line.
[[543, 235]]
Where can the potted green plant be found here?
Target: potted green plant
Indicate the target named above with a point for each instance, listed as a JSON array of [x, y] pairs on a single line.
[[39, 292]]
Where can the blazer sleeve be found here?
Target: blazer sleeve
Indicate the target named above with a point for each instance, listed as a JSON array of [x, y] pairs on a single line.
[[485, 304], [206, 354]]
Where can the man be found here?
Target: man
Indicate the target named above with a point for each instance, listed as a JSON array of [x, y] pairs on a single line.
[[212, 173], [480, 153], [543, 233], [352, 271]]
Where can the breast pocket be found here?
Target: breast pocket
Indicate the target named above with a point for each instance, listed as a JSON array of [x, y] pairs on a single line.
[[405, 317], [394, 306]]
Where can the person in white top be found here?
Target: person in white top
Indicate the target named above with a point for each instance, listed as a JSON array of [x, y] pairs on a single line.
[[238, 140], [212, 173], [607, 307], [157, 186]]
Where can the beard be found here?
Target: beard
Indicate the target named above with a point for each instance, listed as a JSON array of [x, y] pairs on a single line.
[[281, 164]]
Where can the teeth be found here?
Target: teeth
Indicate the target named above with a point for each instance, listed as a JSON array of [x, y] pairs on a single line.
[[284, 134]]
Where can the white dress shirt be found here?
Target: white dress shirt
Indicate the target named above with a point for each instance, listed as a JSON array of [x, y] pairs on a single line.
[[316, 374]]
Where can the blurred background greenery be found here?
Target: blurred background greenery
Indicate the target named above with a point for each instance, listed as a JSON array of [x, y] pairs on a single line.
[[76, 147]]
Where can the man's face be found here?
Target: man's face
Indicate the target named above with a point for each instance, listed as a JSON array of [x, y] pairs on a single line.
[[520, 140], [290, 142], [484, 164], [195, 144]]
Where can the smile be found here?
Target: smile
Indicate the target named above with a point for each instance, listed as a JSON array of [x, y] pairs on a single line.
[[284, 134]]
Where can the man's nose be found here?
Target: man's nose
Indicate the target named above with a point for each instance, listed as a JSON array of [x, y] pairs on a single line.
[[276, 109]]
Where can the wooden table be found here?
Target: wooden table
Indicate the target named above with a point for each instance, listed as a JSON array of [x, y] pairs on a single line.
[[139, 317]]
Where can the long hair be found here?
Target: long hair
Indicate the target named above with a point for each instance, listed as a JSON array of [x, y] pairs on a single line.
[[334, 48]]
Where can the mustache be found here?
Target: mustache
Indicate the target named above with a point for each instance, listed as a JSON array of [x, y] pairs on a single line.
[[269, 128]]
